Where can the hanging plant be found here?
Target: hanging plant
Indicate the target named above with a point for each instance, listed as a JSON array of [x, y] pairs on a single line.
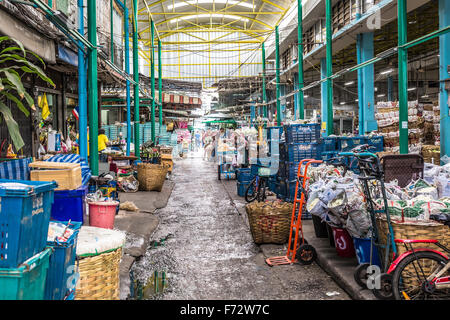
[[11, 86]]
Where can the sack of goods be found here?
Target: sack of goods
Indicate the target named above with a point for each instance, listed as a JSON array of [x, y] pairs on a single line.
[[269, 221]]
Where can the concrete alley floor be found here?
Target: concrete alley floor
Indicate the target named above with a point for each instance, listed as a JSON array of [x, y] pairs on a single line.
[[208, 252]]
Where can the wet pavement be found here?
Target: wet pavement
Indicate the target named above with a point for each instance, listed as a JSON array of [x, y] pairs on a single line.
[[206, 251]]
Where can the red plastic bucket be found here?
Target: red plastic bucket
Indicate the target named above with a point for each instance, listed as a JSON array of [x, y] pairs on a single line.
[[102, 214], [343, 242]]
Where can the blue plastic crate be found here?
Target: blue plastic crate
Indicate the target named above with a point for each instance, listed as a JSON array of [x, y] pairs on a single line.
[[244, 175], [241, 188], [26, 282], [330, 144], [348, 143], [62, 265], [302, 133], [69, 204], [24, 218], [299, 151], [377, 142]]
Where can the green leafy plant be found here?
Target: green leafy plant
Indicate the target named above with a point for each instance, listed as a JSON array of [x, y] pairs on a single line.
[[13, 66]]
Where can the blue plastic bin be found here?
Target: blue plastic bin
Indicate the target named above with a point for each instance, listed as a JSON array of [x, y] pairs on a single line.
[[348, 143], [362, 248], [26, 282], [57, 285], [330, 144], [244, 175], [299, 151], [241, 187], [302, 133], [24, 218], [70, 204]]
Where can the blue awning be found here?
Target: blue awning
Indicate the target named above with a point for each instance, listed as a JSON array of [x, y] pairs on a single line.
[[67, 55]]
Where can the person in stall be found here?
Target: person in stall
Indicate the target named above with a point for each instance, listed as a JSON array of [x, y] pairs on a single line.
[[103, 142]]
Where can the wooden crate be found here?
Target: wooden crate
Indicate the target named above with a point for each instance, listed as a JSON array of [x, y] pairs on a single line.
[[67, 175]]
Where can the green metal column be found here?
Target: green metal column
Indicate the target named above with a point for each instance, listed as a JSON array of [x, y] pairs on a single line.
[[300, 61], [160, 87], [153, 81], [403, 76], [264, 93], [112, 32], [137, 151], [277, 61], [329, 33], [92, 88]]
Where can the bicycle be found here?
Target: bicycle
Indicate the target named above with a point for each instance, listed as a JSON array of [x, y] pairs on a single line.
[[370, 172], [421, 274], [256, 190]]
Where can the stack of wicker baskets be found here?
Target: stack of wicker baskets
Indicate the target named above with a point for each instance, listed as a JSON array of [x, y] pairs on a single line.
[[151, 177], [99, 252], [269, 221]]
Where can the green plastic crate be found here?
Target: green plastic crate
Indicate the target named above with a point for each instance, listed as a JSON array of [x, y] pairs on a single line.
[[27, 282]]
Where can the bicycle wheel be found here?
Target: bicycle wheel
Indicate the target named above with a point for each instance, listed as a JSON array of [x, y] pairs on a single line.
[[409, 278], [251, 191], [262, 190]]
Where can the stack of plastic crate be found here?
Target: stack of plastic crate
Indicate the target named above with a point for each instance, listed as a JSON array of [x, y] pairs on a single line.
[[24, 221]]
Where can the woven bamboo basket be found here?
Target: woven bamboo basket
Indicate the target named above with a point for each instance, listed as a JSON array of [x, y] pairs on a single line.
[[151, 177], [269, 221], [99, 276], [411, 229]]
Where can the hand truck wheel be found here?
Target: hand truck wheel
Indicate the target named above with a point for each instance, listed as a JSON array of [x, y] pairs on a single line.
[[361, 275], [306, 254], [299, 242], [385, 292]]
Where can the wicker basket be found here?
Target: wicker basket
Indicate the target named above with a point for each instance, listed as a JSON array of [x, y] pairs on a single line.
[[269, 221], [151, 177], [99, 276], [411, 229]]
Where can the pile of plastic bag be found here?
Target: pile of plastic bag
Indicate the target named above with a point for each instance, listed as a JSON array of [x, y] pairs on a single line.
[[341, 203]]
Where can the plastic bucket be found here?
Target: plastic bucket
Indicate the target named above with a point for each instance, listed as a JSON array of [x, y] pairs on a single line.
[[362, 248], [343, 242], [102, 214]]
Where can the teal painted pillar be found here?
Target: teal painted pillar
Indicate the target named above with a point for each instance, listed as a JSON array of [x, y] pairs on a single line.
[[93, 89], [127, 70], [137, 151], [264, 93], [153, 81], [277, 62], [402, 76], [323, 93], [444, 45], [82, 90], [296, 98], [160, 90], [329, 60], [366, 79], [252, 115], [300, 77]]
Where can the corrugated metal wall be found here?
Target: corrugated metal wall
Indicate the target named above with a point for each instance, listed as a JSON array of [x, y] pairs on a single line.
[[210, 62]]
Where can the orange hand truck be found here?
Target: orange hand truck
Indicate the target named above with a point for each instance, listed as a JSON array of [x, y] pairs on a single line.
[[305, 253]]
